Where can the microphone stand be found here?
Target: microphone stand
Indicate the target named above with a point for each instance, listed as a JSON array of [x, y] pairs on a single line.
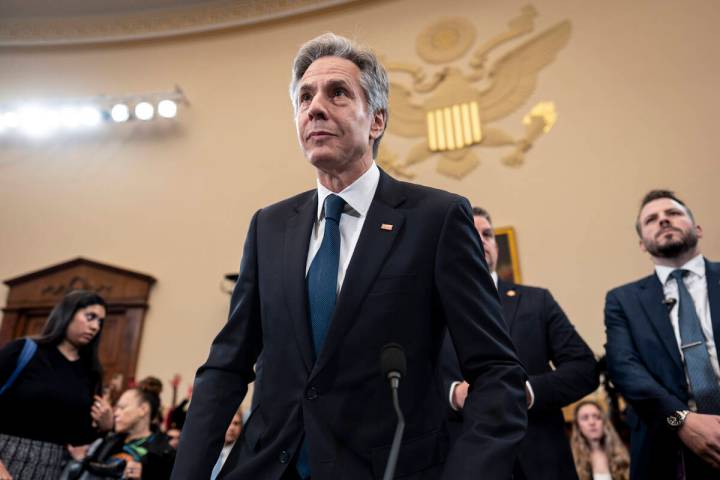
[[399, 429]]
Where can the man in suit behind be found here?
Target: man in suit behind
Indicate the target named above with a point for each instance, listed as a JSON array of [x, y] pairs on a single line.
[[329, 277], [542, 334], [662, 337]]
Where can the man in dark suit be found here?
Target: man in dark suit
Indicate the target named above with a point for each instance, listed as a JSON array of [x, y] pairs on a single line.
[[329, 277], [662, 337], [542, 334]]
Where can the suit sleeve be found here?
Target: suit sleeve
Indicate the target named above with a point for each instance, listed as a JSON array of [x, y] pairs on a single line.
[[649, 398], [221, 383], [575, 373], [495, 414]]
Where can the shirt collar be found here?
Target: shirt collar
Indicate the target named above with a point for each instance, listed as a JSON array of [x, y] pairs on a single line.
[[358, 195], [494, 277], [695, 265]]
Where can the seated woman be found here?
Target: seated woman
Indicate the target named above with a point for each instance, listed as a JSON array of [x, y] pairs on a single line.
[[599, 453], [145, 454]]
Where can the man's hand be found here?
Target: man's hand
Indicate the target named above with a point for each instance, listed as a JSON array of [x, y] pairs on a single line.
[[4, 474], [701, 434], [459, 395], [102, 414]]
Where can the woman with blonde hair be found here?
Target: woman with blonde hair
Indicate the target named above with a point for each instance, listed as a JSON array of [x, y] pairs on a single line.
[[598, 451]]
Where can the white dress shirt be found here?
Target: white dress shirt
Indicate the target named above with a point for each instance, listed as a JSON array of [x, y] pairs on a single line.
[[358, 196], [224, 453], [531, 393], [696, 283]]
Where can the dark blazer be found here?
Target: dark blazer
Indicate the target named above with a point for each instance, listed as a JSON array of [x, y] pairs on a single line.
[[403, 285], [644, 364], [542, 334]]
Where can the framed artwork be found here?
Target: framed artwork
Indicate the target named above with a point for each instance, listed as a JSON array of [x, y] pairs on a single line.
[[508, 264]]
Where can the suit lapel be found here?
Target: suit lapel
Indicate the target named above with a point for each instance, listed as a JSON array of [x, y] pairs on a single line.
[[509, 297], [295, 248], [651, 299], [712, 274], [368, 257]]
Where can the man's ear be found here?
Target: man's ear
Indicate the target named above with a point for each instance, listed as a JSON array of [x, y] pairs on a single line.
[[699, 231], [377, 127], [642, 246]]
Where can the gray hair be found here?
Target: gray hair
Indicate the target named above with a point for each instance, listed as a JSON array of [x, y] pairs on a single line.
[[373, 78]]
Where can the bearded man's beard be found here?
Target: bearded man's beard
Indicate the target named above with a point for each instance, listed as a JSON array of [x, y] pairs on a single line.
[[674, 248]]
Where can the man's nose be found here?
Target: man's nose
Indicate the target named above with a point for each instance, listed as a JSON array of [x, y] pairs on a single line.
[[317, 109]]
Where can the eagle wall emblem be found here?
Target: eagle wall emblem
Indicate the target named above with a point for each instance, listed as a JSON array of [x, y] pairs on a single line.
[[453, 108]]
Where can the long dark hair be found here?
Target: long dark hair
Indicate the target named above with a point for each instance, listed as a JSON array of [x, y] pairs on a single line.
[[57, 324]]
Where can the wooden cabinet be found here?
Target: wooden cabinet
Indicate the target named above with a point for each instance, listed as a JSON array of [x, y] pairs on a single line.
[[33, 295]]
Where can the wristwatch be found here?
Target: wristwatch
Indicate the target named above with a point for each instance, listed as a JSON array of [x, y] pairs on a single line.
[[677, 419]]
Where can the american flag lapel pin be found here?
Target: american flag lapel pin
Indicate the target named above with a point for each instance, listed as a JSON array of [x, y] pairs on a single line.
[[386, 226]]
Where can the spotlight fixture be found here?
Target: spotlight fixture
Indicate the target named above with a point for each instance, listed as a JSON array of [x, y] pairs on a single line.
[[70, 117], [36, 121], [39, 120], [120, 112], [90, 116], [144, 111], [167, 108], [12, 120]]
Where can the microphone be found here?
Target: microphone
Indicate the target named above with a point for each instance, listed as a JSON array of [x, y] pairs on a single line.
[[669, 303], [393, 365]]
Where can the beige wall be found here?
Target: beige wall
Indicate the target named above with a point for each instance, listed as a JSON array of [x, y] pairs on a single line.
[[634, 89]]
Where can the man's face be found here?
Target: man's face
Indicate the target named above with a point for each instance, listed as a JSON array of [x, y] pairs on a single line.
[[233, 431], [666, 229], [333, 125], [487, 235]]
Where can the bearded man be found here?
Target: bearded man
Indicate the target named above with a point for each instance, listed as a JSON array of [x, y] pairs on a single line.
[[662, 337]]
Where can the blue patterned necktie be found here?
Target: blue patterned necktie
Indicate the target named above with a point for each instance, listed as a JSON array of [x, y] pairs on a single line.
[[323, 273], [703, 382], [322, 293]]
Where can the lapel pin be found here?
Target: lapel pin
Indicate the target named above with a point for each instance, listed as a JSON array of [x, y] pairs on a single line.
[[511, 293], [386, 226]]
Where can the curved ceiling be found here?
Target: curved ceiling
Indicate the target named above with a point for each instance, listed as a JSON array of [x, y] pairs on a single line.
[[52, 22]]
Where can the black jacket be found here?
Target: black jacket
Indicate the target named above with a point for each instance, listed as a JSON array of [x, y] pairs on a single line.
[[542, 334], [417, 268]]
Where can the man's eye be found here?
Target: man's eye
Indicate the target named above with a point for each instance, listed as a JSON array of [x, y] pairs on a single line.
[[305, 97], [339, 92]]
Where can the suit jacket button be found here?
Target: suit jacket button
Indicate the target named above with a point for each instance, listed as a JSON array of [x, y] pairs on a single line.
[[312, 393], [284, 457]]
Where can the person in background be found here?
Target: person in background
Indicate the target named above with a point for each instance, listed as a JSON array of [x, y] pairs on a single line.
[[597, 449], [54, 401], [662, 338], [231, 435], [561, 366], [155, 385], [147, 455]]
